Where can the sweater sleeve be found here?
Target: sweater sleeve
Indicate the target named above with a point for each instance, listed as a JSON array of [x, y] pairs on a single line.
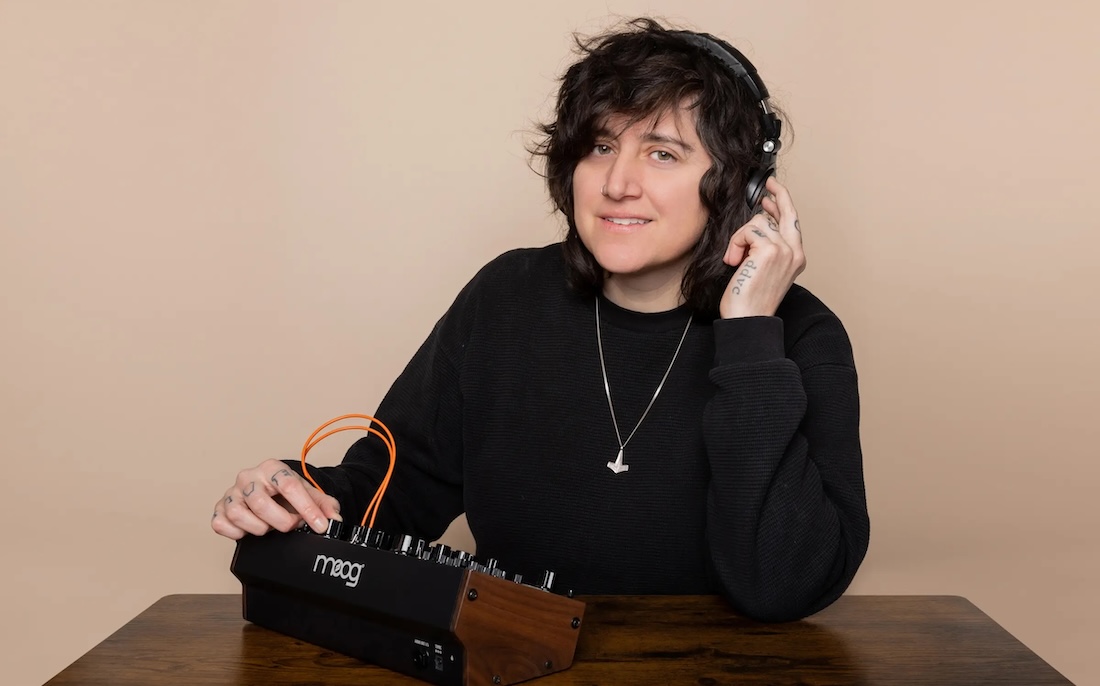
[[423, 409], [787, 523]]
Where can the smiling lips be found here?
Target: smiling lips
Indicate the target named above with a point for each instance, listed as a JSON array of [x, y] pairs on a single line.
[[623, 224]]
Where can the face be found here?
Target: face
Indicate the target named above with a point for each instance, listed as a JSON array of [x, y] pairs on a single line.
[[636, 198]]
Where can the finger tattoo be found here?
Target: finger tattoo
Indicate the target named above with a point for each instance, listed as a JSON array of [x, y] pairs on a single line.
[[228, 499], [797, 227], [215, 516], [758, 232], [276, 475], [251, 489], [768, 218]]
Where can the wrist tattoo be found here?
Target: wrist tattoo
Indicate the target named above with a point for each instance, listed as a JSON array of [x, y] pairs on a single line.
[[251, 489], [747, 268], [276, 475]]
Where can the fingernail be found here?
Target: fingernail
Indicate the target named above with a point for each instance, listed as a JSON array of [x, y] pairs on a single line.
[[337, 517], [320, 524]]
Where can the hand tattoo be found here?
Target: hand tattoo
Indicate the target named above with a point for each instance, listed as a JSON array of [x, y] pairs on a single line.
[[771, 222], [276, 475], [745, 274]]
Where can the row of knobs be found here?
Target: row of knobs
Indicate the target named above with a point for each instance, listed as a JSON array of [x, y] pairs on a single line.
[[419, 548]]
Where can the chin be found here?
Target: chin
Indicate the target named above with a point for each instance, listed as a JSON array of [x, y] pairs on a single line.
[[620, 261]]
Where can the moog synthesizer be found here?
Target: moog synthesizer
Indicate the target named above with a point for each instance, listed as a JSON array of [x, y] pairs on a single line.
[[427, 611]]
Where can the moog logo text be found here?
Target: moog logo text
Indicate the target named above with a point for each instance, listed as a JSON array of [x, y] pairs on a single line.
[[341, 569]]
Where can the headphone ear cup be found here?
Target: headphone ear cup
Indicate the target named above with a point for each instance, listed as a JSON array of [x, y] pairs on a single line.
[[754, 189]]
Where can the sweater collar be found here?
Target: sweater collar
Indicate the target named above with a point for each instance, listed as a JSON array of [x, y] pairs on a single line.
[[652, 322]]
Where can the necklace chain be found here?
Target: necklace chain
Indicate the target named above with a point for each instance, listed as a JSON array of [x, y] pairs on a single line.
[[618, 466]]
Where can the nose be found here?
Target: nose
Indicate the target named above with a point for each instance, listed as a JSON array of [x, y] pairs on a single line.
[[624, 178]]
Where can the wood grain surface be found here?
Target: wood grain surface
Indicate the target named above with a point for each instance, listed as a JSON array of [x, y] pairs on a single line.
[[635, 641]]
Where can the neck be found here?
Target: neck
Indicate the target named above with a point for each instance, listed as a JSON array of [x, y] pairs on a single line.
[[644, 293]]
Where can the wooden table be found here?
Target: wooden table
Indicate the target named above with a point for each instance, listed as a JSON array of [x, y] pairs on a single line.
[[630, 640]]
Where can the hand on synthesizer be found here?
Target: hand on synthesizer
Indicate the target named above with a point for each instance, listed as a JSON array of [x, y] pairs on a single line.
[[271, 496]]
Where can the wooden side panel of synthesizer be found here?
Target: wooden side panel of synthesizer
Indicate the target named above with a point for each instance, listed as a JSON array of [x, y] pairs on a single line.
[[513, 633]]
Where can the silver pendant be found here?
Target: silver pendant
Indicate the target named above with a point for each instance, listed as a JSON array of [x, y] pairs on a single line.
[[617, 466]]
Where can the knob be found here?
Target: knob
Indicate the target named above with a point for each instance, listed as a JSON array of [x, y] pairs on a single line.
[[386, 541], [404, 545], [375, 538], [359, 535], [335, 528]]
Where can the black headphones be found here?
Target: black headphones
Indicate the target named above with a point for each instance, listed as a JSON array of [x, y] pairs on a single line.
[[770, 124]]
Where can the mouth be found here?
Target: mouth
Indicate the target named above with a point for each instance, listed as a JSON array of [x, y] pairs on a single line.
[[623, 224]]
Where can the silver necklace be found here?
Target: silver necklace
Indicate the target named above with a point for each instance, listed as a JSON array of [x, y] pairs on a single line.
[[618, 466]]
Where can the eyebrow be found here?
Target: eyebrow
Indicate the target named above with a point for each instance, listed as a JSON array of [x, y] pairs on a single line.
[[651, 137]]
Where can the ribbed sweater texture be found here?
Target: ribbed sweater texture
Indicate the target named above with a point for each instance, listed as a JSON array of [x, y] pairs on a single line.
[[745, 478]]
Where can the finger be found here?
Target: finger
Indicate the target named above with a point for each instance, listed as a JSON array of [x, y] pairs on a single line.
[[330, 506], [762, 226], [735, 253], [782, 197], [238, 514], [257, 494], [221, 524], [751, 240], [767, 246], [771, 209], [770, 217], [787, 232], [756, 229], [785, 211], [300, 496]]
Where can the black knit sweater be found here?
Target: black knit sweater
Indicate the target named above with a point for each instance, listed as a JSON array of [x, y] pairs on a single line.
[[745, 478]]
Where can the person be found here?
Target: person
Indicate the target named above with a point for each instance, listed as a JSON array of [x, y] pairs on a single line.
[[651, 406]]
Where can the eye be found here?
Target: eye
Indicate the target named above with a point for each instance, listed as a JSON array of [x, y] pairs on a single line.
[[663, 156], [601, 149]]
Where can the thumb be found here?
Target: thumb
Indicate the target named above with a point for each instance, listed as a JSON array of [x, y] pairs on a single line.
[[735, 253]]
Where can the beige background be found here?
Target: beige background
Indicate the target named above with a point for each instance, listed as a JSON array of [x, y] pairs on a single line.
[[225, 222]]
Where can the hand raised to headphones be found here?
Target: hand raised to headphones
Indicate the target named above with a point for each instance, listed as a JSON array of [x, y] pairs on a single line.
[[768, 256]]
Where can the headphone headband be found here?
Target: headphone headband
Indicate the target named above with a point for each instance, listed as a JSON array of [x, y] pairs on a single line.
[[731, 58]]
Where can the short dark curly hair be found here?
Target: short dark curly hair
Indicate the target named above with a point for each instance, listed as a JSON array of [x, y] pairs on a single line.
[[640, 70]]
